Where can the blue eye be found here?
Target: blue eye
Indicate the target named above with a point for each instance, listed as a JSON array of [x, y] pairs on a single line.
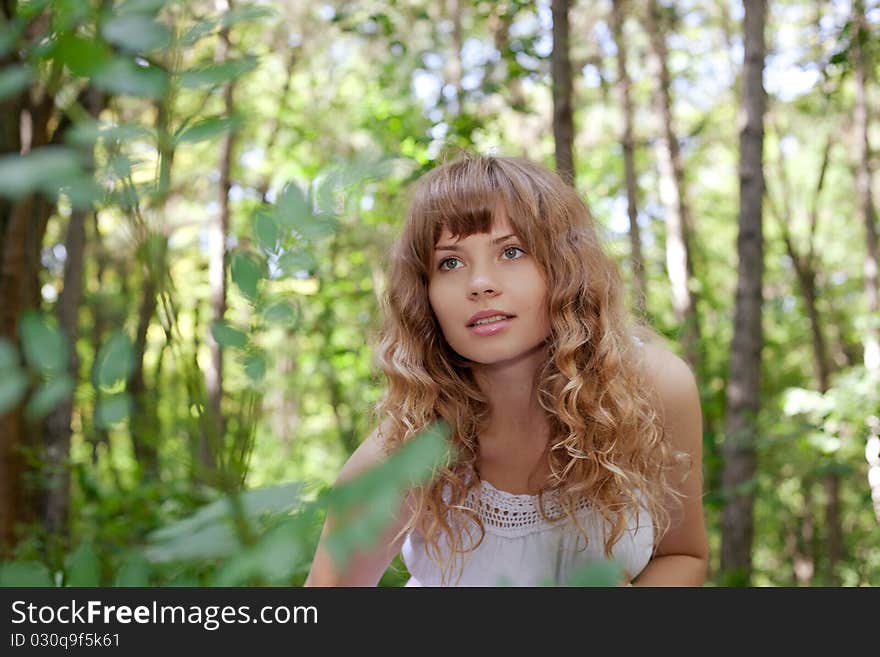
[[513, 248]]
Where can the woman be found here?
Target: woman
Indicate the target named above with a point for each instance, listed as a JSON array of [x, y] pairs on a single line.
[[578, 434]]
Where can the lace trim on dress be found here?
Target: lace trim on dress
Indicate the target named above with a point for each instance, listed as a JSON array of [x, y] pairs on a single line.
[[507, 514]]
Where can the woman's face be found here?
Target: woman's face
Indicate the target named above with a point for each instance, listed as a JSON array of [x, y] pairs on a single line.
[[489, 272]]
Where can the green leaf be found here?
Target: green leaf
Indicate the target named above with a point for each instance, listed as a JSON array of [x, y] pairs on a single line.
[[275, 499], [9, 34], [115, 361], [135, 571], [241, 14], [227, 336], [246, 273], [8, 355], [295, 212], [13, 79], [44, 346], [125, 77], [137, 33], [367, 502], [199, 30], [48, 396], [13, 385], [209, 534], [293, 262], [266, 230], [113, 409], [140, 6], [207, 129], [86, 133], [255, 366], [25, 574], [280, 313], [292, 206], [599, 573], [43, 169], [83, 568], [208, 76], [84, 57]]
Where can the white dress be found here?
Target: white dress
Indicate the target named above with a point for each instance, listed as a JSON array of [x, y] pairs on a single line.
[[521, 548]]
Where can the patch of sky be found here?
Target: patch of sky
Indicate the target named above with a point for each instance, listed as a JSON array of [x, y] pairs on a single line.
[[591, 76], [544, 45], [426, 87], [367, 202], [545, 15], [475, 52], [788, 144], [432, 60], [784, 78], [327, 12], [527, 61], [472, 80], [252, 158], [439, 131], [49, 293], [525, 25], [605, 39], [339, 51]]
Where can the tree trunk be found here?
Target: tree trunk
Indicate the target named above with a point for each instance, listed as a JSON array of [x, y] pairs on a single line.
[[143, 423], [679, 260], [861, 120], [57, 430], [22, 228], [743, 388], [639, 283], [871, 356], [563, 120], [219, 231], [454, 72]]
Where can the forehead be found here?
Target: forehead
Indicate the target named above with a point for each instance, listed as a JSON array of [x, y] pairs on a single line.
[[500, 226]]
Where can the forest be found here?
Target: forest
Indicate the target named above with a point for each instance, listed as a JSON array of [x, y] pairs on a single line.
[[196, 202]]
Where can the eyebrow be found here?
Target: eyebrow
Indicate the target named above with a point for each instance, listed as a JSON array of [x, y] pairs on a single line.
[[453, 247]]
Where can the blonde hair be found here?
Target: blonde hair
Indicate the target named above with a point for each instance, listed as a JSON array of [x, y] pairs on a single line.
[[606, 438]]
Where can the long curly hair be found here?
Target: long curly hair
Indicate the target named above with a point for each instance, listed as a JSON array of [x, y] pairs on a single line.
[[606, 436]]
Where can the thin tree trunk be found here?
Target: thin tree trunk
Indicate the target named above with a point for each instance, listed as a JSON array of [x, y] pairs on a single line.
[[563, 119], [57, 430], [871, 355], [22, 228], [743, 388], [805, 269], [862, 120], [454, 68], [100, 435], [144, 427], [219, 231], [639, 283], [679, 260]]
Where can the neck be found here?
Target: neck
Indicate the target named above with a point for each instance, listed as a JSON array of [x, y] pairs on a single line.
[[516, 416]]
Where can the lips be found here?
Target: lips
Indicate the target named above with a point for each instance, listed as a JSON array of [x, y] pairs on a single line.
[[485, 314]]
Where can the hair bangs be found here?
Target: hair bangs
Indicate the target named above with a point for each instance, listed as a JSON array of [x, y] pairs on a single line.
[[467, 197]]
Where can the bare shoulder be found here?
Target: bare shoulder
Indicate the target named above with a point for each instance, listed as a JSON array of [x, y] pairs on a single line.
[[370, 453], [675, 389]]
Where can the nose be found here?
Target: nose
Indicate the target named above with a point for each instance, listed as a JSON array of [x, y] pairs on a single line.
[[482, 283]]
